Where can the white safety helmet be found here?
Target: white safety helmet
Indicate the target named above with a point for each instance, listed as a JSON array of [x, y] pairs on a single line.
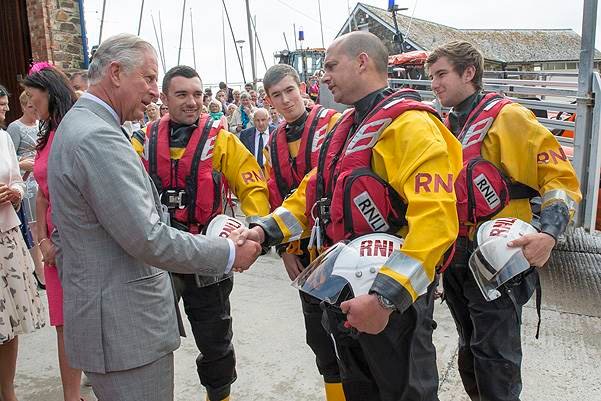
[[353, 263], [493, 263], [221, 226]]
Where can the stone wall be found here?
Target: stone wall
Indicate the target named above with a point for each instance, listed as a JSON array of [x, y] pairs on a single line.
[[56, 32]]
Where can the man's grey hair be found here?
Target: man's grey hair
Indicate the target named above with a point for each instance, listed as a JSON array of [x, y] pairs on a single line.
[[261, 110], [125, 48], [244, 95]]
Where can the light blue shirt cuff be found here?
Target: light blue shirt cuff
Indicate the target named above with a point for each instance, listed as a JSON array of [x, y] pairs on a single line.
[[230, 261]]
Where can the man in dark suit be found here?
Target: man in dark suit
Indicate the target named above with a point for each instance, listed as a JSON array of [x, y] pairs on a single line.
[[256, 138]]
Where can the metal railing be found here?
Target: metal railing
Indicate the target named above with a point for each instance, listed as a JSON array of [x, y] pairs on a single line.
[[542, 74], [558, 100]]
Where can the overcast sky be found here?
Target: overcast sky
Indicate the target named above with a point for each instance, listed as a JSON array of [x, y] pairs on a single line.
[[273, 17]]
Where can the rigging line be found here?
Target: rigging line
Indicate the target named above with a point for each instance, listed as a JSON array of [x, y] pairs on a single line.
[[330, 27], [406, 36], [298, 11]]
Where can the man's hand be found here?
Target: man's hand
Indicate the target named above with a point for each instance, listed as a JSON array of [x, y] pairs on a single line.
[[536, 247], [246, 254], [293, 265], [241, 235], [9, 195], [366, 314]]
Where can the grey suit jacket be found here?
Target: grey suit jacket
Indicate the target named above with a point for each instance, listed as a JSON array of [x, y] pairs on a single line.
[[118, 305]]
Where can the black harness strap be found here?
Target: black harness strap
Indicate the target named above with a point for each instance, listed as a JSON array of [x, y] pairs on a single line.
[[539, 300], [518, 190]]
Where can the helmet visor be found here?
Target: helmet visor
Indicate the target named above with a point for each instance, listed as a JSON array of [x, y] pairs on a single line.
[[493, 264], [319, 279]]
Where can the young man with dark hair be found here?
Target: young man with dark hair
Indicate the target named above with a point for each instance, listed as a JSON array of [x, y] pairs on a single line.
[[386, 152], [508, 136], [293, 150], [171, 149]]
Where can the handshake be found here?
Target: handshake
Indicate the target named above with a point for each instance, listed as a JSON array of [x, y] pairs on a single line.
[[248, 246]]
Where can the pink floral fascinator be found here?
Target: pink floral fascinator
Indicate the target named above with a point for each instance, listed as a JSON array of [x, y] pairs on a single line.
[[39, 66]]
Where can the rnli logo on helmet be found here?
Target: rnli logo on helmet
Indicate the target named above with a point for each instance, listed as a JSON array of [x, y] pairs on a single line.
[[369, 211], [487, 191], [229, 226], [501, 227], [367, 136], [318, 138], [378, 247]]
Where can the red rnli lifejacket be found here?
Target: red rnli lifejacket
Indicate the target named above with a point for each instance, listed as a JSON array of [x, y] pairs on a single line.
[[194, 173], [482, 189], [289, 172], [357, 201]]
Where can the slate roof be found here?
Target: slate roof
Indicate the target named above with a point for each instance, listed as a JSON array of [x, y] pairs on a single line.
[[501, 45]]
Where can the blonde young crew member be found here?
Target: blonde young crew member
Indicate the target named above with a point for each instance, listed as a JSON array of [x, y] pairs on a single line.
[[407, 158], [186, 154], [522, 149], [293, 149]]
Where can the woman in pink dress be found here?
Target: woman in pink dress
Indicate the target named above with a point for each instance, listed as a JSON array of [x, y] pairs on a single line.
[[52, 96]]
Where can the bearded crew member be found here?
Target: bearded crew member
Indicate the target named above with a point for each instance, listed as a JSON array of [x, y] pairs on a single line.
[[524, 157], [388, 165], [187, 154], [293, 152]]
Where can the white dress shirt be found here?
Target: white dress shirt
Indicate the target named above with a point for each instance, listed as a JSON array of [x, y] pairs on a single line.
[[265, 139]]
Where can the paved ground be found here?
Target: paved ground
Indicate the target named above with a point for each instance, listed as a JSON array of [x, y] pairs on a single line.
[[275, 364]]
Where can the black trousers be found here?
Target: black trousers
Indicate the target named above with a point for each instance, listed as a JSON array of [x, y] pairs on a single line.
[[208, 310], [399, 364], [490, 348], [319, 340]]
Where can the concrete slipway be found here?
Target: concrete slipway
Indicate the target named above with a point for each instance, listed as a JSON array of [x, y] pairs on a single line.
[[275, 364]]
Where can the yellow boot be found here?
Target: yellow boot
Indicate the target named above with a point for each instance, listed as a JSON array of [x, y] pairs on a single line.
[[334, 392]]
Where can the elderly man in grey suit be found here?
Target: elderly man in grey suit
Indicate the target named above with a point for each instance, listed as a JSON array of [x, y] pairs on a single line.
[[120, 318]]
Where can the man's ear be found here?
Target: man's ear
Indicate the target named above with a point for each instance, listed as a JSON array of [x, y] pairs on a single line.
[[468, 74], [164, 99], [114, 72], [363, 60], [267, 100]]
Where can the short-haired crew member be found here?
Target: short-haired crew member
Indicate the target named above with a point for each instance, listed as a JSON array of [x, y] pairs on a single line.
[[394, 150], [293, 150], [509, 136], [186, 154]]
